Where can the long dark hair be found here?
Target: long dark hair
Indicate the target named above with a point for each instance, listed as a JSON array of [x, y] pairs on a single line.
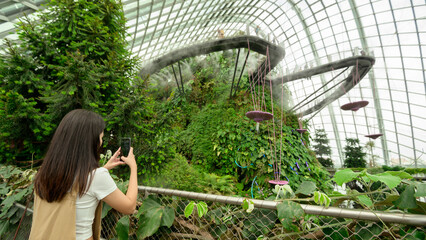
[[72, 155]]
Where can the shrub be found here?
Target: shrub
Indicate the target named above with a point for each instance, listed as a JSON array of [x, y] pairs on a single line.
[[322, 149], [354, 154], [73, 56]]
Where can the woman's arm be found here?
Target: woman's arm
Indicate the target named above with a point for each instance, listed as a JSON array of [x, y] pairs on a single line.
[[125, 204]]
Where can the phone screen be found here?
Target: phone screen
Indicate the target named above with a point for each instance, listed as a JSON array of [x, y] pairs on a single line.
[[125, 146]]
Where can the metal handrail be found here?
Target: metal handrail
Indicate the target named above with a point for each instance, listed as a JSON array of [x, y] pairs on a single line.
[[360, 214]]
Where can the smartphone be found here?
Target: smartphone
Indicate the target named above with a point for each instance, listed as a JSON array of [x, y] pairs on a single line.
[[125, 146]]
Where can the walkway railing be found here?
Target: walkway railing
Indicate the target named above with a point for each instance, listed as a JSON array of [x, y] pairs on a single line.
[[408, 219], [226, 219]]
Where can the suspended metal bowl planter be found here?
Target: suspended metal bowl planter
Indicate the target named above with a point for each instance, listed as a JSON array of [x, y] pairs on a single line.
[[354, 106], [301, 130], [278, 182], [374, 136], [259, 116]]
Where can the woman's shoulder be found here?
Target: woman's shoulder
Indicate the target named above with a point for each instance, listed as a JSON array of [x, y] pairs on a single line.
[[100, 172], [102, 183]]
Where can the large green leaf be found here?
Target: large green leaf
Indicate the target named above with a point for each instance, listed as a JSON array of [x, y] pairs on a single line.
[[365, 200], [189, 208], [421, 190], [122, 228], [202, 209], [289, 212], [388, 201], [344, 176], [149, 222], [407, 199], [306, 188], [400, 174], [321, 199], [168, 217], [421, 208], [152, 216], [387, 178], [148, 204]]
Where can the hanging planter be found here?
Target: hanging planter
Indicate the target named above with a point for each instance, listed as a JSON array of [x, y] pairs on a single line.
[[301, 130], [259, 116], [354, 106], [278, 182], [374, 136]]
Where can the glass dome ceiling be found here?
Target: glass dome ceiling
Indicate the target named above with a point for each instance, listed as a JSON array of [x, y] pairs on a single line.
[[312, 33]]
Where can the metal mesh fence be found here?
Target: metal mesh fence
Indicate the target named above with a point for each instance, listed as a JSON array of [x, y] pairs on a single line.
[[231, 221], [225, 221]]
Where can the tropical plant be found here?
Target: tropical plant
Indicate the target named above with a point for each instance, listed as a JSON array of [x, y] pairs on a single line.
[[16, 187], [386, 193], [153, 215], [354, 154], [247, 205], [72, 56], [321, 148], [201, 207]]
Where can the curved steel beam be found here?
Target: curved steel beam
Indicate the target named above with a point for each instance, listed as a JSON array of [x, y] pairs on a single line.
[[360, 64], [259, 45]]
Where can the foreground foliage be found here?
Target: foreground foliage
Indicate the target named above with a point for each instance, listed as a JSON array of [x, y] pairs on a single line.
[[388, 191]]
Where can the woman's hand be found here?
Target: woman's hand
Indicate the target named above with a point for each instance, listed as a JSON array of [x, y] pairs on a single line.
[[114, 161], [130, 159], [125, 203]]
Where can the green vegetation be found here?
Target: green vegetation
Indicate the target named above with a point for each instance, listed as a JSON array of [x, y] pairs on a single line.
[[207, 132], [415, 170], [321, 148], [354, 154], [73, 56], [15, 187], [84, 64], [385, 168], [200, 140], [395, 190], [197, 140]]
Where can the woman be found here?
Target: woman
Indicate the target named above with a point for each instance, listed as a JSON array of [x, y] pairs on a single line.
[[70, 184]]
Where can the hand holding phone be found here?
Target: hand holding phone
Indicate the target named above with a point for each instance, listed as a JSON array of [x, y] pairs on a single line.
[[125, 146]]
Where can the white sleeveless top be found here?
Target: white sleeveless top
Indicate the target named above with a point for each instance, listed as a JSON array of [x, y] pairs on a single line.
[[102, 185]]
